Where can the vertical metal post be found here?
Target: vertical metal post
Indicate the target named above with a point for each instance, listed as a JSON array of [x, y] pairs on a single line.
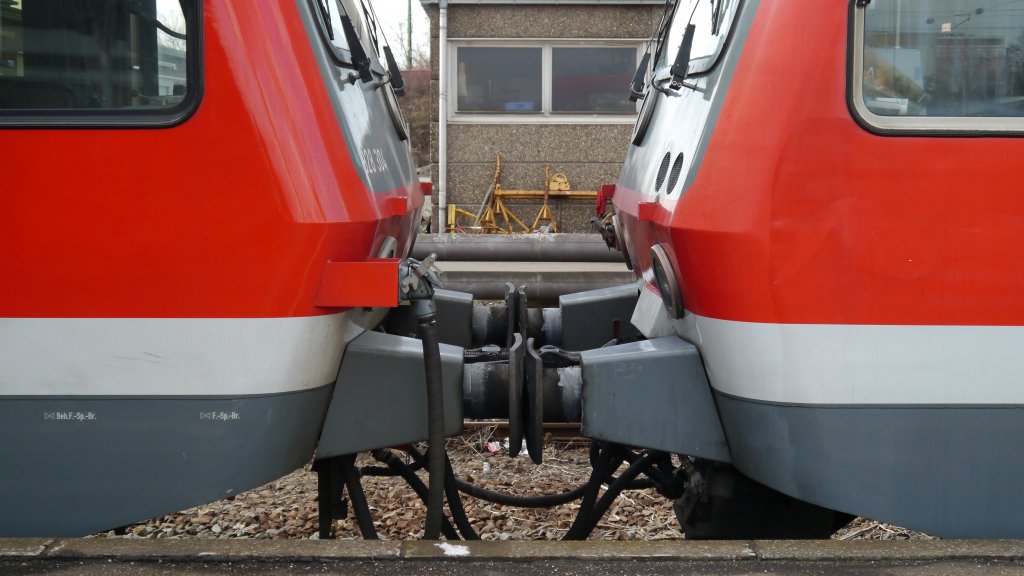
[[442, 108]]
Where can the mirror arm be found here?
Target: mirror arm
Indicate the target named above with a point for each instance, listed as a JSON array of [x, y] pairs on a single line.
[[680, 68], [671, 87], [359, 58], [394, 73], [636, 88]]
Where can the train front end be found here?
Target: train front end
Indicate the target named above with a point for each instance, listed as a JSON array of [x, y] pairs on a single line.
[[821, 197], [203, 203]]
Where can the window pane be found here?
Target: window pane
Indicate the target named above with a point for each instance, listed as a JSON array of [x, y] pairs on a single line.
[[338, 38], [712, 20], [337, 9], [499, 79], [946, 58], [592, 79], [92, 54]]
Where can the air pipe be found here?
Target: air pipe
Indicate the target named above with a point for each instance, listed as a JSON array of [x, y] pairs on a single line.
[[417, 286], [442, 115]]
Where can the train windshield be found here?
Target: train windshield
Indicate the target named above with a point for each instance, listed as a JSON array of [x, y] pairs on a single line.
[[943, 58], [713, 20], [335, 10], [94, 54]]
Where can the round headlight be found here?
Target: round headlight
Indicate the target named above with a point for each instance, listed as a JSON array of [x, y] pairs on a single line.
[[665, 275]]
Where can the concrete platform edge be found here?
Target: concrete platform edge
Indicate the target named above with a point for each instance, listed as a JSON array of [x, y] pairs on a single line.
[[517, 551]]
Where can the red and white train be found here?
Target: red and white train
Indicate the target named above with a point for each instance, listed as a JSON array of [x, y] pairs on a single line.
[[202, 203], [205, 202], [824, 198]]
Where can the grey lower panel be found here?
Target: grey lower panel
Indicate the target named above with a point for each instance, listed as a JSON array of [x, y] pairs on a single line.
[[75, 466], [653, 394], [948, 471], [380, 398]]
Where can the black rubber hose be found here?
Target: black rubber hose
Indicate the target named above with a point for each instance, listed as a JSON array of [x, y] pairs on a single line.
[[602, 459], [376, 471], [544, 501], [616, 488], [427, 329], [475, 491], [355, 491], [416, 484], [451, 492]]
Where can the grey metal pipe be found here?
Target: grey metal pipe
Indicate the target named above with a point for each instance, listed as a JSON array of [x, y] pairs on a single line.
[[544, 281], [537, 291], [485, 392], [516, 247]]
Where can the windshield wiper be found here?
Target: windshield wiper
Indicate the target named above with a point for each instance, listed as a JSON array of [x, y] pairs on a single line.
[[675, 79], [716, 16]]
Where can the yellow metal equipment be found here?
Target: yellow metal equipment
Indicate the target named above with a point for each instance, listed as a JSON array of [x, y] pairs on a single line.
[[496, 217]]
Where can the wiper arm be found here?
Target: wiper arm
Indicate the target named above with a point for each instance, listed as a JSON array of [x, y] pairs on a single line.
[[676, 77], [636, 87]]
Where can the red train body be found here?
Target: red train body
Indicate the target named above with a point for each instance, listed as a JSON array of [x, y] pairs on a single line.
[[845, 237], [180, 264]]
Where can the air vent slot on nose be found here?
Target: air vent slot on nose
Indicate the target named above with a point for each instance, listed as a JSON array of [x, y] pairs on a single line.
[[677, 169], [662, 171]]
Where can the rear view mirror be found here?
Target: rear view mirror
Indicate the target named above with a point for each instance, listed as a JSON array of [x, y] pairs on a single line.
[[397, 83], [680, 68], [636, 88], [359, 58]]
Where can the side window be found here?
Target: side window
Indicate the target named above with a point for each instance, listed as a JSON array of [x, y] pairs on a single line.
[[590, 79], [557, 78], [92, 58], [939, 65], [713, 21], [331, 13], [499, 79]]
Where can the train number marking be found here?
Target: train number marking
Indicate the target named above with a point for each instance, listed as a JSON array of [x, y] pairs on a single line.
[[373, 160]]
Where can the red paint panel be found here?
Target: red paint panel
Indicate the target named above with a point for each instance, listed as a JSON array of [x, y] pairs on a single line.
[[799, 215], [373, 283], [647, 211], [231, 214], [396, 205]]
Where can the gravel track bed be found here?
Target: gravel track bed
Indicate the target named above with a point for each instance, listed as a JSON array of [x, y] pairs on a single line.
[[287, 508]]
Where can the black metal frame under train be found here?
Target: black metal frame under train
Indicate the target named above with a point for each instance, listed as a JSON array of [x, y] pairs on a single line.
[[640, 400]]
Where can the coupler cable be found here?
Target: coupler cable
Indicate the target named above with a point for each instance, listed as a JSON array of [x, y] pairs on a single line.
[[406, 472], [455, 503], [451, 493], [543, 501], [601, 457], [607, 458], [355, 491], [417, 286]]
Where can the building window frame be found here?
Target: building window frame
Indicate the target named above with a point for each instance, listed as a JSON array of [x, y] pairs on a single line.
[[545, 115]]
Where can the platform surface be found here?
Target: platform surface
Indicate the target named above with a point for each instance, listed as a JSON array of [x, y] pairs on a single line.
[[198, 556]]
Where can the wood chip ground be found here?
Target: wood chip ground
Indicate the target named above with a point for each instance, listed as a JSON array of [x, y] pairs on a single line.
[[287, 508]]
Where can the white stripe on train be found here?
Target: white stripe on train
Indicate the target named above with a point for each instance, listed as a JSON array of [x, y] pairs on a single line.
[[174, 356], [863, 364]]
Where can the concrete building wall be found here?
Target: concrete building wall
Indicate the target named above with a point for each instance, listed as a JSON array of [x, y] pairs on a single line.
[[588, 154]]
